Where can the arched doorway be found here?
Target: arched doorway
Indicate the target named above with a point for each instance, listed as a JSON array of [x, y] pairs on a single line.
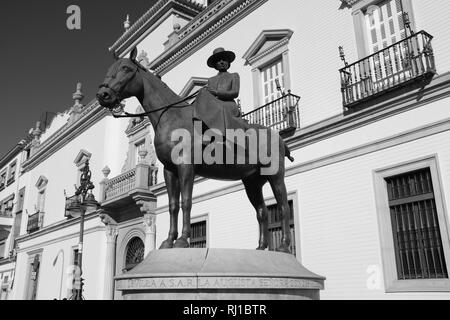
[[134, 253]]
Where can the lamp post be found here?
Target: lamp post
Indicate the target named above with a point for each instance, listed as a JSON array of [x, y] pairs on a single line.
[[77, 208]]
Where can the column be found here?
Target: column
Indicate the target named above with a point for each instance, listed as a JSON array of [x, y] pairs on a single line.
[[111, 236], [149, 222]]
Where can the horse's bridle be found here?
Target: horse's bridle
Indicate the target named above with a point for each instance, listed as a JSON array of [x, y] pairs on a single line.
[[116, 93]]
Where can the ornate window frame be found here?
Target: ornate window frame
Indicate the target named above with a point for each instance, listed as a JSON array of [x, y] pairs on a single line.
[[358, 12], [392, 284], [261, 53], [122, 249]]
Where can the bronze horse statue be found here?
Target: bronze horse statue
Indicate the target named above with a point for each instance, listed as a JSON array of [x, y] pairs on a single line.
[[128, 78]]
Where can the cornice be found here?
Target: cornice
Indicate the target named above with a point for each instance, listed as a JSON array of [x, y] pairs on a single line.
[[11, 154], [279, 44], [214, 20], [91, 114], [151, 16]]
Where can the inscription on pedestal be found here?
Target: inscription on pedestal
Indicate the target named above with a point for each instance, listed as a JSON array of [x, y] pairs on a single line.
[[256, 283], [157, 284], [217, 283]]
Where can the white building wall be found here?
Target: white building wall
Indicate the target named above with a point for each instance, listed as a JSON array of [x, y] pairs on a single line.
[[339, 233], [432, 16], [65, 239]]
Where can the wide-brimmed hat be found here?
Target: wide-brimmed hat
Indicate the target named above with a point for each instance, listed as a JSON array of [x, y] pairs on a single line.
[[221, 54]]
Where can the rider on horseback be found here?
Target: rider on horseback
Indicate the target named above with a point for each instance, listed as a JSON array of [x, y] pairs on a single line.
[[224, 86], [215, 104]]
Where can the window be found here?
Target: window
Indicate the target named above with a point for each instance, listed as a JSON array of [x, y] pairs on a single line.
[[134, 253], [379, 24], [415, 225], [269, 58], [272, 77], [198, 235], [3, 179], [415, 244], [12, 172], [37, 220], [7, 205], [274, 226]]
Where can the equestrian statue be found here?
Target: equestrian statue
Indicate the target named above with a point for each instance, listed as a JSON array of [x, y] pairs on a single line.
[[215, 108]]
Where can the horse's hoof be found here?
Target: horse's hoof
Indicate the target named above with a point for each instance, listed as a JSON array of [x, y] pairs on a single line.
[[262, 246], [181, 243], [166, 245], [283, 248]]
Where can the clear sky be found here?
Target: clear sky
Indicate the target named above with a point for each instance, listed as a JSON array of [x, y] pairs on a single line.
[[42, 60]]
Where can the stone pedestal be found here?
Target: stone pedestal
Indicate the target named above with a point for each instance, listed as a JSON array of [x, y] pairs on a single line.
[[219, 274]]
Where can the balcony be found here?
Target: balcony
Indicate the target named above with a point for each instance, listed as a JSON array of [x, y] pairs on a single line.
[[408, 61], [121, 193], [282, 115], [34, 222]]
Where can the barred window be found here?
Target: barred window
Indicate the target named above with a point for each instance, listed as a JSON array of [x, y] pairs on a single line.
[[417, 240], [274, 226], [198, 235]]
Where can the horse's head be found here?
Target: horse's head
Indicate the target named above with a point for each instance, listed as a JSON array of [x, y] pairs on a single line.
[[121, 81]]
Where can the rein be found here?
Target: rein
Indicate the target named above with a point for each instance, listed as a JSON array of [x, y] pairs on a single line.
[[173, 105]]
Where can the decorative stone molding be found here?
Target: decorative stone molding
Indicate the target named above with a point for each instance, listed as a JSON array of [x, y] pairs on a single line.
[[77, 108], [82, 157], [188, 7], [192, 84], [213, 21], [41, 183], [142, 58], [149, 222], [106, 219], [267, 42], [112, 231], [90, 115]]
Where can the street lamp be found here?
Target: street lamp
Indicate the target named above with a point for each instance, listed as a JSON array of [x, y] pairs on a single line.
[[76, 206]]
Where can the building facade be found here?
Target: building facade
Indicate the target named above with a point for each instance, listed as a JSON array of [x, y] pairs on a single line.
[[359, 93]]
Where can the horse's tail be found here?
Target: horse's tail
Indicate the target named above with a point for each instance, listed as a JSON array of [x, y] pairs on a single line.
[[287, 153]]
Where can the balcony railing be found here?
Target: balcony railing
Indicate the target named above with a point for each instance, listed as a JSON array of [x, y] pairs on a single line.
[[141, 177], [282, 114], [408, 60], [33, 223]]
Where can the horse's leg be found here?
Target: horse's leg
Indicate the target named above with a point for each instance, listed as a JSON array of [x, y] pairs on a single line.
[[173, 190], [186, 178], [280, 193], [253, 187]]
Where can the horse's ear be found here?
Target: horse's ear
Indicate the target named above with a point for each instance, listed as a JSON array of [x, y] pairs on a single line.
[[133, 53], [115, 55]]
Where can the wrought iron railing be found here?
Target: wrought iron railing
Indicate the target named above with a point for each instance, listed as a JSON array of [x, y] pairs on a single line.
[[281, 114], [128, 181], [33, 223], [407, 60]]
